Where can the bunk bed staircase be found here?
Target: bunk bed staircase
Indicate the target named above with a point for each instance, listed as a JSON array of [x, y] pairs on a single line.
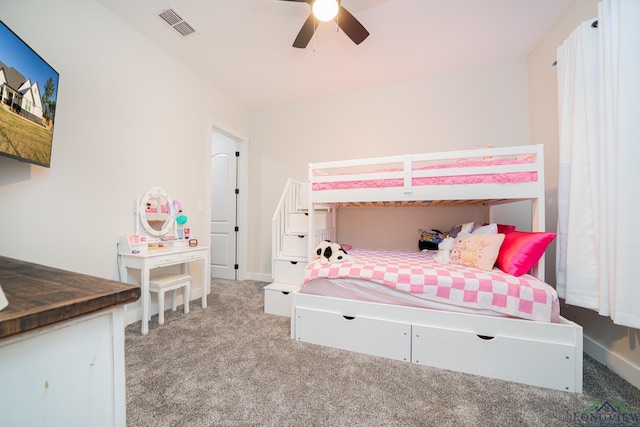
[[290, 244]]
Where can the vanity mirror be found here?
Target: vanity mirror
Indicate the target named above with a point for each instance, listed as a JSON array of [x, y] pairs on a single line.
[[155, 213]]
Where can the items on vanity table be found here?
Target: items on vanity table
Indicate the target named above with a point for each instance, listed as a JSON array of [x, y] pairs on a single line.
[[155, 244]]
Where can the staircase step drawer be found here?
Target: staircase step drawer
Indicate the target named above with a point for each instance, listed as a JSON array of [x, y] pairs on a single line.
[[277, 298], [291, 272], [299, 222], [294, 245]]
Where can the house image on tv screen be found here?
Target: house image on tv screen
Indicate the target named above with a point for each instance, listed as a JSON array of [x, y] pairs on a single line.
[[19, 93]]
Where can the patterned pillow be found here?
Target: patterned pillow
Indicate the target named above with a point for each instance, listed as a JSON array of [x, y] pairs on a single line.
[[521, 250], [476, 250]]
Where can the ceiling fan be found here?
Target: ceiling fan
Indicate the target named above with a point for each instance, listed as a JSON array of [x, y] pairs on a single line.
[[327, 10]]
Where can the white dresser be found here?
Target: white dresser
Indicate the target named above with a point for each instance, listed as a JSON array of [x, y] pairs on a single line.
[[61, 347]]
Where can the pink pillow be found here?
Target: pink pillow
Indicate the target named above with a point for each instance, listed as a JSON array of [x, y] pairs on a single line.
[[506, 229], [521, 250]]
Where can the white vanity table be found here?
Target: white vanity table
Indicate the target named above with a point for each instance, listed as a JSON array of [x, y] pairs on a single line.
[[156, 258], [154, 246]]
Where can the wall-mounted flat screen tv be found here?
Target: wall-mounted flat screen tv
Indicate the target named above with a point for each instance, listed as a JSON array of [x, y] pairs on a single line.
[[28, 93]]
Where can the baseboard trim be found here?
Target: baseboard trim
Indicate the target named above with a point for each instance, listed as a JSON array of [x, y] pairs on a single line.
[[622, 367]]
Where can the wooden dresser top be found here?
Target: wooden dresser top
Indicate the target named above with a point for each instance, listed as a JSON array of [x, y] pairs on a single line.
[[40, 296]]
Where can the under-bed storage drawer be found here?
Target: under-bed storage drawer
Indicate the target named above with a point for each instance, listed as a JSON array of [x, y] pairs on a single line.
[[529, 361], [291, 272], [361, 334]]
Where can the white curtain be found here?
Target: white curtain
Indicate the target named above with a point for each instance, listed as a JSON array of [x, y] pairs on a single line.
[[599, 177]]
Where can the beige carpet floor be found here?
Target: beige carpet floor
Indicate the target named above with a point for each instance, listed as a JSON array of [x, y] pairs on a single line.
[[232, 365]]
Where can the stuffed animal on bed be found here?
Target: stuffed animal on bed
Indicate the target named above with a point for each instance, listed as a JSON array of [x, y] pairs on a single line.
[[319, 250], [444, 250], [329, 252]]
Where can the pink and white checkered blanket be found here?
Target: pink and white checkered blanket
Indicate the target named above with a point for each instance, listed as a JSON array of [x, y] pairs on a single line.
[[524, 297]]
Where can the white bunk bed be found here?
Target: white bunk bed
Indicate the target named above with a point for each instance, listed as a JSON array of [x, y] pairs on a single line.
[[531, 352]]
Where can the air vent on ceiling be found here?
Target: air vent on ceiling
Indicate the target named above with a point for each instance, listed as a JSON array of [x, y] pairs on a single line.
[[172, 18]]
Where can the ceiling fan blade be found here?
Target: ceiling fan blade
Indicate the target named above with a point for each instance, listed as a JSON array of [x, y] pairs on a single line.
[[351, 26], [306, 32]]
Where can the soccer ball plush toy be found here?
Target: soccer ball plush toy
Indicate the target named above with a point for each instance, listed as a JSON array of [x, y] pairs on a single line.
[[331, 252], [444, 250]]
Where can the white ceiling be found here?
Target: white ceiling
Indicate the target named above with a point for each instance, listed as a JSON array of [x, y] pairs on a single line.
[[244, 46]]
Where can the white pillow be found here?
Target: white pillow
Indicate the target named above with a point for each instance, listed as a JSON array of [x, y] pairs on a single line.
[[486, 229], [467, 227], [460, 228]]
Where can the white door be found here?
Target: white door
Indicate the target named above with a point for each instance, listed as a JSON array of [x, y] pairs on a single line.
[[224, 179]]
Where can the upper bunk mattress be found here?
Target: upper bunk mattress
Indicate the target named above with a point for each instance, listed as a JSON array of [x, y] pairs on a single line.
[[460, 172], [418, 273]]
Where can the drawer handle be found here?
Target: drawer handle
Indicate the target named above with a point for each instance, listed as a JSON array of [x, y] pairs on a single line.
[[293, 262], [348, 317], [486, 337], [301, 237], [284, 292]]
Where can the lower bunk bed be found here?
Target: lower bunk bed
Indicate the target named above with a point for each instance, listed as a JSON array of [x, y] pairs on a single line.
[[406, 306]]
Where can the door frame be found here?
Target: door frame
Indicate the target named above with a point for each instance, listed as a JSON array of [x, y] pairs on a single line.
[[241, 213]]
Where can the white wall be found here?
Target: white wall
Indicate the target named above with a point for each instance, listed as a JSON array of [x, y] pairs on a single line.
[[616, 346], [123, 124], [460, 110]]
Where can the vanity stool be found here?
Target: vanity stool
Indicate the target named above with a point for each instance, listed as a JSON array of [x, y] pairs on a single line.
[[171, 283]]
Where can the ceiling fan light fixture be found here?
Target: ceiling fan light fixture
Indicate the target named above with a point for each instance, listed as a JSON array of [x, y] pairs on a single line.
[[325, 10]]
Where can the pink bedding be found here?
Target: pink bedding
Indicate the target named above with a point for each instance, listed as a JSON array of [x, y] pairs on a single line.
[[480, 178], [418, 273]]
